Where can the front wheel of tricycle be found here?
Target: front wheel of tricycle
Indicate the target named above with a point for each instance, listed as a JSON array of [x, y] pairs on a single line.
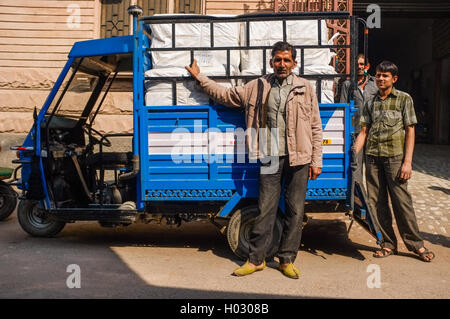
[[8, 200], [238, 232], [34, 222]]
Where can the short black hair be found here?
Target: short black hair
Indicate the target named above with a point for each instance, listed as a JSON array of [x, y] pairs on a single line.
[[284, 46], [362, 56], [387, 66]]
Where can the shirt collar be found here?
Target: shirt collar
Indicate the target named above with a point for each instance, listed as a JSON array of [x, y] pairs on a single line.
[[287, 81], [393, 93]]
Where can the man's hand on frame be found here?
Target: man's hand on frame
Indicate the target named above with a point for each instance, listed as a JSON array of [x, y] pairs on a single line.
[[314, 172], [193, 69]]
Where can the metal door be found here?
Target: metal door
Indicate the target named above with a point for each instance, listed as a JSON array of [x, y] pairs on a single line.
[[115, 20]]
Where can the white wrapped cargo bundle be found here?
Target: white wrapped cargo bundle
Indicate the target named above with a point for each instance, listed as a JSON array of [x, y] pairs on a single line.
[[182, 72], [327, 86], [187, 92], [172, 63], [189, 35], [267, 33]]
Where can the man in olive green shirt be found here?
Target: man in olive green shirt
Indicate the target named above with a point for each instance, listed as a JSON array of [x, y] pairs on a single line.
[[387, 123]]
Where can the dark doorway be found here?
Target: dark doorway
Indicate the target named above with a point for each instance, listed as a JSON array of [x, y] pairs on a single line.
[[416, 37]]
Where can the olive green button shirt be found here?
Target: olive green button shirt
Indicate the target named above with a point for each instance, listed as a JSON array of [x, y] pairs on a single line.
[[386, 120], [276, 114]]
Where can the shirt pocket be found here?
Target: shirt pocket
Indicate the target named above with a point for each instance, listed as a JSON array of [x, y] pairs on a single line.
[[392, 118]]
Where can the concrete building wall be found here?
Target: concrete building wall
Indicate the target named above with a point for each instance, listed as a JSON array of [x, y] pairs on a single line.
[[36, 36]]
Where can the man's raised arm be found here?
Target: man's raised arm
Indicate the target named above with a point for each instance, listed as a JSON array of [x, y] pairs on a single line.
[[233, 97]]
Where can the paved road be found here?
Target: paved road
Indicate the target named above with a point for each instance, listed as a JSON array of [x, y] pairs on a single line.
[[194, 261]]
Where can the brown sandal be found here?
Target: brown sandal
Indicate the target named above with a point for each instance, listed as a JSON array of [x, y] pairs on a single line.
[[423, 255], [385, 252]]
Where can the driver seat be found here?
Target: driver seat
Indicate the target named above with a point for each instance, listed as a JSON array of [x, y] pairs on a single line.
[[110, 160]]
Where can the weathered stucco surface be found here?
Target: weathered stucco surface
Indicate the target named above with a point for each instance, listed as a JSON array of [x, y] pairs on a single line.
[[22, 90]]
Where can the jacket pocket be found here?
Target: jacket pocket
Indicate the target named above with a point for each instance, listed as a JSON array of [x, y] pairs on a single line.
[[304, 111], [302, 107]]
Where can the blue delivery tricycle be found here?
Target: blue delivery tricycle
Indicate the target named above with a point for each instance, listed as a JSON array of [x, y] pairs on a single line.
[[68, 175]]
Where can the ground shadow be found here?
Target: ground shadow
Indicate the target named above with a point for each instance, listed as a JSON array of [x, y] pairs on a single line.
[[442, 189], [201, 235], [437, 239], [329, 237], [320, 237], [36, 267]]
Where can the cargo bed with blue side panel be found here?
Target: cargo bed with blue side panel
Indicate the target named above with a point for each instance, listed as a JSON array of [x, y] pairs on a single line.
[[162, 179], [187, 161], [169, 174]]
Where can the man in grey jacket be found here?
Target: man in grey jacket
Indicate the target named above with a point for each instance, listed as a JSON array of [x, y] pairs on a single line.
[[285, 105], [366, 89]]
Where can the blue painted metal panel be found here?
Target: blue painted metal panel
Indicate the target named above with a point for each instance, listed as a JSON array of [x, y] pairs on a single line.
[[332, 183], [228, 208], [116, 45], [219, 172], [348, 131], [183, 181], [140, 43]]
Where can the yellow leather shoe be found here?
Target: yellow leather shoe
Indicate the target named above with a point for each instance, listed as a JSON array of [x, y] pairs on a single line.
[[290, 271], [246, 269]]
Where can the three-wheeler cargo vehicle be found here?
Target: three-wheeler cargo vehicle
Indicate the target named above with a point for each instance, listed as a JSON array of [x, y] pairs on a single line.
[[65, 162]]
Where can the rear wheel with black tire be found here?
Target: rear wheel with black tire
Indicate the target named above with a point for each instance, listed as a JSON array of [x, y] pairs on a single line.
[[33, 220], [8, 200], [238, 232]]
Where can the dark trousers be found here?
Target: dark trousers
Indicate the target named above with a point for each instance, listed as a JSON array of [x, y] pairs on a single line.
[[358, 172], [381, 178], [296, 179]]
